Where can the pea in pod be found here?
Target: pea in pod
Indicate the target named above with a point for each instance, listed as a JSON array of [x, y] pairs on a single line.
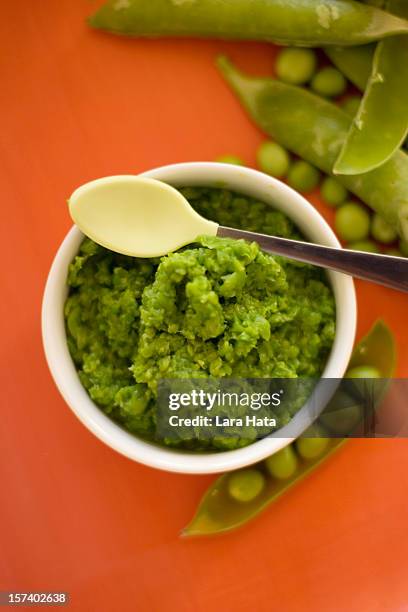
[[381, 123], [315, 129], [300, 22], [219, 511]]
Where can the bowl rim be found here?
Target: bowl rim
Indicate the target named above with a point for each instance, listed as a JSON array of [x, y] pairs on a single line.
[[243, 180]]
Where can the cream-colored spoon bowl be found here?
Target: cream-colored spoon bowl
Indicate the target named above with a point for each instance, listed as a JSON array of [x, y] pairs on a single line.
[[136, 216]]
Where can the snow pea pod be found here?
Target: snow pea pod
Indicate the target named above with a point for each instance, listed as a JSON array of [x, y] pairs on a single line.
[[296, 22], [354, 62], [219, 512], [315, 129], [381, 123], [377, 349]]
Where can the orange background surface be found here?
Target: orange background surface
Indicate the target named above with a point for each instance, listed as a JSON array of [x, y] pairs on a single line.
[[75, 516]]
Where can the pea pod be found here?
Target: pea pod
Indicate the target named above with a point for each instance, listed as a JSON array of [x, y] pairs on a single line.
[[219, 512], [381, 123], [354, 62], [376, 349], [315, 129], [299, 22]]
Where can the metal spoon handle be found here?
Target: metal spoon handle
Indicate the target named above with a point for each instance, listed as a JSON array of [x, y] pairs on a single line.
[[382, 269]]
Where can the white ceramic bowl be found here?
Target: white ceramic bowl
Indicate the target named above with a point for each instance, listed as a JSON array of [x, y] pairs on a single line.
[[245, 181]]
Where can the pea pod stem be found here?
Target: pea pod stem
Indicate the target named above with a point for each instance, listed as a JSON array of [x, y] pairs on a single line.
[[298, 22], [218, 512], [315, 129], [381, 123]]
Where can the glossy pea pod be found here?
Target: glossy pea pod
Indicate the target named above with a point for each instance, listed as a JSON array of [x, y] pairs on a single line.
[[381, 123], [354, 62], [220, 512], [296, 22], [315, 129]]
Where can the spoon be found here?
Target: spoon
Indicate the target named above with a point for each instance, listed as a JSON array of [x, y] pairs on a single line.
[[144, 217]]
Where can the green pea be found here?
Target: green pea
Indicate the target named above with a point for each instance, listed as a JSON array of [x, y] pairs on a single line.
[[333, 192], [302, 176], [363, 371], [342, 414], [382, 231], [273, 159], [352, 222], [246, 485], [403, 247], [283, 464], [296, 66], [364, 245], [230, 159], [312, 446], [343, 421], [329, 82], [351, 105]]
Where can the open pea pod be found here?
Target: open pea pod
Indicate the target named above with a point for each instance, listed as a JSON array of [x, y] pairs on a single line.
[[315, 129], [298, 22], [378, 349], [219, 512], [381, 123], [354, 62]]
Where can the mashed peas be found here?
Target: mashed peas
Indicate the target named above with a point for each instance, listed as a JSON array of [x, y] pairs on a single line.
[[220, 308]]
